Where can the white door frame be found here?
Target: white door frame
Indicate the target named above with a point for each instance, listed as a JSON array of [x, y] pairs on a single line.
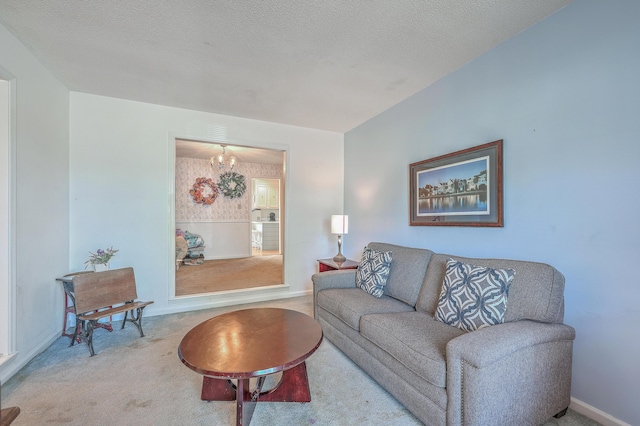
[[7, 217]]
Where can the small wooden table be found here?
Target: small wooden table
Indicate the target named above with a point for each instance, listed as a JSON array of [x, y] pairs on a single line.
[[252, 343], [325, 265]]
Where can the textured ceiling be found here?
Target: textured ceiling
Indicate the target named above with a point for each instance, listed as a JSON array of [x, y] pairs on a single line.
[[329, 64]]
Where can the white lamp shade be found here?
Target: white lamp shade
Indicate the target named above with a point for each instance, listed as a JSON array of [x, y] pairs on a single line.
[[339, 224]]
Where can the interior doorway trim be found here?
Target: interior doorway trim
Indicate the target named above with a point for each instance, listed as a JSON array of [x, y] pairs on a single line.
[[219, 299], [8, 320]]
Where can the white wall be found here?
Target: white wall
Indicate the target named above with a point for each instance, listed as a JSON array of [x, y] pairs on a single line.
[[565, 97], [41, 226], [121, 185]]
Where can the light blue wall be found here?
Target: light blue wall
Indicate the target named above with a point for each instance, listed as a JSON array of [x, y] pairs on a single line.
[[565, 97]]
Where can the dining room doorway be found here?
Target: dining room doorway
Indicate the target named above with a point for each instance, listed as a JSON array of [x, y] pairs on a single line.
[[215, 210], [265, 216]]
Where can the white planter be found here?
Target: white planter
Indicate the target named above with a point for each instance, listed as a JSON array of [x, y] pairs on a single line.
[[99, 267]]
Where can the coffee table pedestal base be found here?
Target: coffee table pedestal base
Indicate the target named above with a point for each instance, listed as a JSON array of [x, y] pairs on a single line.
[[294, 387]]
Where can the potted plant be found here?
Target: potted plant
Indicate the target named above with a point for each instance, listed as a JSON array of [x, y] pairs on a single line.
[[100, 259]]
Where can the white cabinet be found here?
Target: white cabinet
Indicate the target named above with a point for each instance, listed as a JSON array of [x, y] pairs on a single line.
[[268, 233], [266, 198], [266, 193], [270, 236], [260, 196], [273, 197]]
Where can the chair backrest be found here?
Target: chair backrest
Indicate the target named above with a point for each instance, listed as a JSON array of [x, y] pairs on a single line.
[[101, 289]]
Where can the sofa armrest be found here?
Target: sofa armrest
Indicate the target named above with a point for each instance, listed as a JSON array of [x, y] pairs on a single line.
[[517, 371], [344, 278]]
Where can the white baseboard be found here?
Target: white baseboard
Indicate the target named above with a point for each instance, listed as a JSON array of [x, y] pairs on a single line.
[[6, 359], [594, 414], [229, 298]]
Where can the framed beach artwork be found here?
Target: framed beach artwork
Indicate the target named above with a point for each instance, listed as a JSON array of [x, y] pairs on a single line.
[[463, 188]]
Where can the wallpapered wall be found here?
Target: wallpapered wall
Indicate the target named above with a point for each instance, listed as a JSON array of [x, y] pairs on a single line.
[[223, 209]]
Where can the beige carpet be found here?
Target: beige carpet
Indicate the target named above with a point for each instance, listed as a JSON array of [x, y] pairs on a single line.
[[141, 381], [229, 274]]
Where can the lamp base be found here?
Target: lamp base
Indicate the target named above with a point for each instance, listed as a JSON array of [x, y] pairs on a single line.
[[339, 258]]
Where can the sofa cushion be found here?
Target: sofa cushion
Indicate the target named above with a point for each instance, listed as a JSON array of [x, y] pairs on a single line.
[[473, 297], [349, 304], [414, 339], [536, 292], [408, 269], [373, 271]]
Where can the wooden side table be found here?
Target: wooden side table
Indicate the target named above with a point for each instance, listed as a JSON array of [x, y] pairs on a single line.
[[325, 265]]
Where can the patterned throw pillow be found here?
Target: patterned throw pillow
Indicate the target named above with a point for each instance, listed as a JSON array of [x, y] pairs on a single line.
[[473, 297], [373, 271]]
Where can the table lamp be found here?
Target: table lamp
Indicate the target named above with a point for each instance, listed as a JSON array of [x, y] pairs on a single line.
[[339, 226]]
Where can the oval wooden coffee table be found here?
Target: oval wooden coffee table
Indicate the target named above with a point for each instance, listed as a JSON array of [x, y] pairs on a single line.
[[252, 343]]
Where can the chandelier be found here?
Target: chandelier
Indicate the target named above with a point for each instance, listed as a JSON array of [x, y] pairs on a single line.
[[221, 160]]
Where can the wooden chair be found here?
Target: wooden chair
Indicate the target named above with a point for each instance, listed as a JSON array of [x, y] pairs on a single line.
[[103, 294]]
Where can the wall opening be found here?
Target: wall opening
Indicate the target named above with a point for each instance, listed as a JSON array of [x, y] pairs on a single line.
[[223, 243]]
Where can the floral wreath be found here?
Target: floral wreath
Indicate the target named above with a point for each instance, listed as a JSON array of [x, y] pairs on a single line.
[[232, 185], [197, 194]]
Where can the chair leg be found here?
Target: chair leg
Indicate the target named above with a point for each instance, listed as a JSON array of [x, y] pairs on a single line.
[[140, 321], [124, 321], [136, 319], [76, 334], [88, 336], [561, 413]]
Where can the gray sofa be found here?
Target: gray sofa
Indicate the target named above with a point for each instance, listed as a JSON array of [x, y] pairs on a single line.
[[515, 373]]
